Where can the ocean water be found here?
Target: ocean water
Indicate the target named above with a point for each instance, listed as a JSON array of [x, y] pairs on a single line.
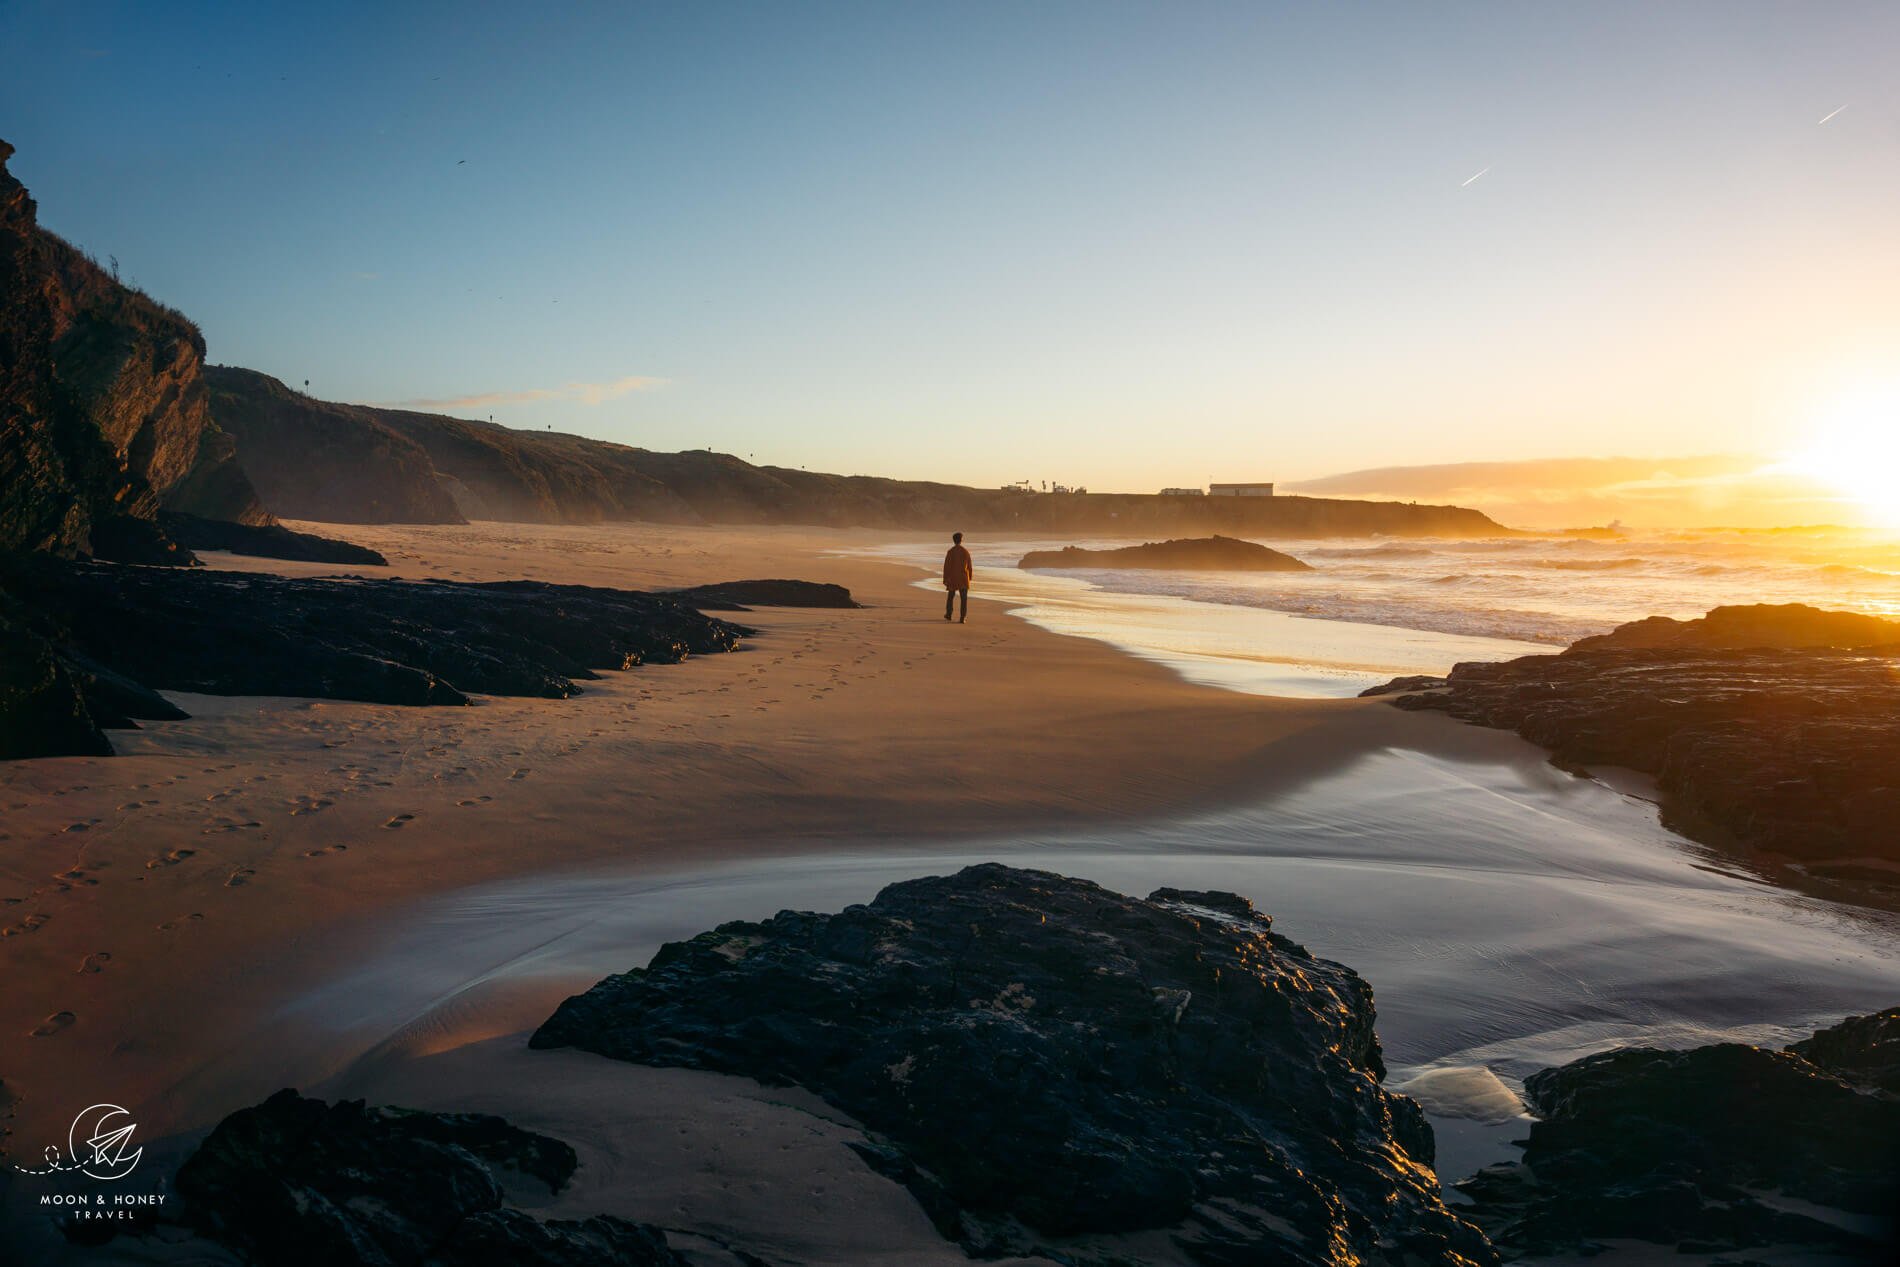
[[1372, 610]]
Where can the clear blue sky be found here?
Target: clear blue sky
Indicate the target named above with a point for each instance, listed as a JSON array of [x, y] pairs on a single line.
[[1121, 245]]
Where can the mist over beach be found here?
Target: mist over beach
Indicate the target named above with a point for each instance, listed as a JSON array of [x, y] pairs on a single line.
[[854, 635]]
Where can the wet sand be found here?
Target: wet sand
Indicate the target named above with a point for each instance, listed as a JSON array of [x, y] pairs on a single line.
[[154, 904], [370, 901]]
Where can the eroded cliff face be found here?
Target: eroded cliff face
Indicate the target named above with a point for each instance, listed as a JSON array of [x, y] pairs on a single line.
[[314, 459], [104, 414]]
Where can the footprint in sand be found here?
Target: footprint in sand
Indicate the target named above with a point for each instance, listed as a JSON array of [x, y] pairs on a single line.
[[172, 924], [399, 821], [31, 924], [327, 849], [521, 773], [239, 877], [76, 827], [309, 805], [171, 859], [95, 962], [474, 800], [53, 1024], [78, 875]]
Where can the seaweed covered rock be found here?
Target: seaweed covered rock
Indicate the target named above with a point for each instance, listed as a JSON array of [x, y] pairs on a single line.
[[296, 1182], [1048, 1060], [1701, 1149], [385, 641]]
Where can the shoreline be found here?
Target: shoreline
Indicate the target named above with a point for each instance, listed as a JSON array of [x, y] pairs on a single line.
[[162, 878], [830, 749]]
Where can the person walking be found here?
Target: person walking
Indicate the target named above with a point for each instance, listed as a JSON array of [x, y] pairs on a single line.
[[957, 571]]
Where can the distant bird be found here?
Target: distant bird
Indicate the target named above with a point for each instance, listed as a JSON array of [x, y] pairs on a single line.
[[1831, 113], [460, 161], [1467, 182]]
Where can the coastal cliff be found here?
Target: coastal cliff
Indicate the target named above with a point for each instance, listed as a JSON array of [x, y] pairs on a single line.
[[104, 417], [312, 459], [361, 463]]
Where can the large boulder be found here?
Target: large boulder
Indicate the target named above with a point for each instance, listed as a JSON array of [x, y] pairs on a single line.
[[1703, 1149], [1051, 1062], [295, 1182]]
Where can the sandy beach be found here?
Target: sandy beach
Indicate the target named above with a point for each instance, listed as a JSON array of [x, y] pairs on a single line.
[[158, 900], [374, 901]]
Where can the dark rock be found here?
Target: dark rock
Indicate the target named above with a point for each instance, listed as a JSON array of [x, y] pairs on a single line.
[[386, 641], [263, 541], [1199, 554], [42, 710], [1782, 625], [1790, 753], [738, 595], [1047, 1059], [133, 539], [295, 1181], [1681, 1148], [1863, 1051], [102, 402], [115, 699], [1401, 685]]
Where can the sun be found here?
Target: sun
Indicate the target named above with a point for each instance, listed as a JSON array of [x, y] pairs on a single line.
[[1854, 449]]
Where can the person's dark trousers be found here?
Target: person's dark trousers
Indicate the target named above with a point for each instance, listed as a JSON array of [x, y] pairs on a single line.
[[950, 600]]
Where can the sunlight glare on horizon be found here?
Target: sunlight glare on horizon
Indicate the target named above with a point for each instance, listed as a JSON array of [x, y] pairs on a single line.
[[1854, 449]]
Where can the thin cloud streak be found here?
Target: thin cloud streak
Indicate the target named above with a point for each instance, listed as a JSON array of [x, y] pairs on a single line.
[[584, 393], [1464, 183], [1830, 114]]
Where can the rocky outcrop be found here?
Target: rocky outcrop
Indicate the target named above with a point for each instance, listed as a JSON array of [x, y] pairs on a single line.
[[312, 459], [294, 1182], [43, 712], [1048, 1063], [1782, 626], [102, 401], [1787, 750], [740, 595], [1863, 1051], [263, 541], [1702, 1150], [385, 641], [1197, 554]]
